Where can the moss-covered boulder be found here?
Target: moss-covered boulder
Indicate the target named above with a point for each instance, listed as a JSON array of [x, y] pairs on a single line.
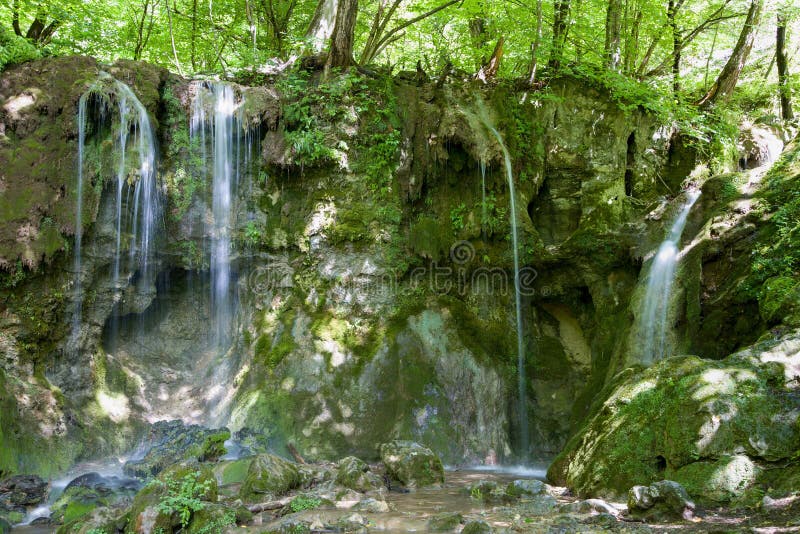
[[22, 490], [269, 475], [411, 464], [664, 500], [714, 426], [175, 442], [91, 491], [354, 473]]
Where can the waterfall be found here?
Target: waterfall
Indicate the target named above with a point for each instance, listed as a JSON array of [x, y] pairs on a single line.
[[522, 406], [133, 133], [483, 195], [225, 143], [654, 320]]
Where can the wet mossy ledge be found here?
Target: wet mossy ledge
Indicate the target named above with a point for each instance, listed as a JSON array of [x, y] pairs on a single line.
[[374, 280]]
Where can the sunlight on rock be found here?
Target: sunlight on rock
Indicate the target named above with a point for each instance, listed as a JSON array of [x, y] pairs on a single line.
[[114, 405]]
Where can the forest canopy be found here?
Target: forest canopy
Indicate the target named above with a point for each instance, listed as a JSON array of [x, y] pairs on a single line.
[[697, 50]]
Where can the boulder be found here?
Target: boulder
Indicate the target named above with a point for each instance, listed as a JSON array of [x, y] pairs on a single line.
[[539, 505], [411, 464], [445, 522], [477, 527], [354, 473], [372, 506], [714, 426], [526, 488], [90, 491], [172, 442], [664, 500], [22, 490], [269, 475], [590, 506]]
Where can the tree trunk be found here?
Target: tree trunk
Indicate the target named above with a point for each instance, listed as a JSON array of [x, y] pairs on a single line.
[[783, 69], [320, 30], [560, 27], [727, 79], [672, 17], [535, 45], [488, 72], [632, 43], [341, 52], [613, 51]]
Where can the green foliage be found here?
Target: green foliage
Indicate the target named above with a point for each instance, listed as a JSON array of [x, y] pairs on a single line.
[[252, 234], [219, 524], [183, 496], [304, 502], [457, 215], [15, 49], [13, 277], [96, 531]]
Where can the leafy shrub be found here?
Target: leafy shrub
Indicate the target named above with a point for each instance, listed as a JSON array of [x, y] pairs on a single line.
[[183, 496], [15, 49]]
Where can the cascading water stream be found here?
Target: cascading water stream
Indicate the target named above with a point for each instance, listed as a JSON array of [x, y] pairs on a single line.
[[654, 321], [223, 126], [522, 406], [133, 133]]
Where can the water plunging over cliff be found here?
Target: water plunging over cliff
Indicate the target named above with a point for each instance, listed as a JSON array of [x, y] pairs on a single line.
[[215, 121], [137, 199], [655, 318]]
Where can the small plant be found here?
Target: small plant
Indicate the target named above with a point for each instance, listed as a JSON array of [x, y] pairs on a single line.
[[96, 531], [252, 234], [476, 493], [304, 502], [457, 217], [183, 496]]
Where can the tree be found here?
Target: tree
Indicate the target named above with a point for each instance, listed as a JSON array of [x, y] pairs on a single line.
[[341, 51], [560, 27], [613, 51], [40, 31], [728, 78], [783, 68]]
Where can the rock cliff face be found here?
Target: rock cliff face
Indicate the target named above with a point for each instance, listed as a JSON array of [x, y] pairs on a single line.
[[373, 271]]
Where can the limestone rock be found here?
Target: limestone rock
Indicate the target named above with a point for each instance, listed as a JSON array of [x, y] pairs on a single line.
[[411, 464], [269, 475], [354, 473], [663, 500], [174, 442], [445, 522], [22, 490]]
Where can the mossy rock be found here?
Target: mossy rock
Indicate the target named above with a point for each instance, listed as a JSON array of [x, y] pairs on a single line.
[[232, 472], [411, 464], [212, 519], [725, 416], [354, 473], [445, 522], [177, 443], [780, 300], [720, 480], [269, 475]]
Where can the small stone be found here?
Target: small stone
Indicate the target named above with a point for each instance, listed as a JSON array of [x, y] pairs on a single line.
[[352, 523]]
